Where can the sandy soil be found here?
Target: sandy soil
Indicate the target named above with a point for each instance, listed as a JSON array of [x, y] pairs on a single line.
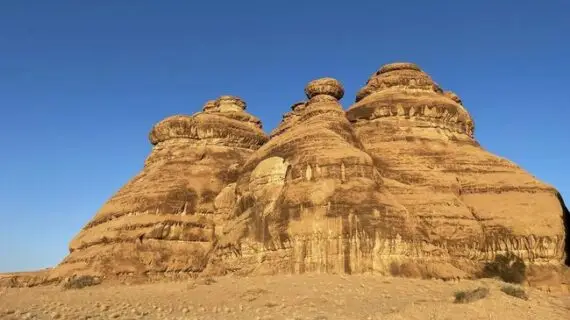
[[281, 297]]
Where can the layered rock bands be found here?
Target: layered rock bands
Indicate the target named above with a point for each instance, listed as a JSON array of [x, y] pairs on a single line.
[[166, 218], [396, 180]]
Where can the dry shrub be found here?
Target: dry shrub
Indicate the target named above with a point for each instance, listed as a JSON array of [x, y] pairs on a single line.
[[81, 282], [407, 270], [472, 295], [509, 268], [515, 291]]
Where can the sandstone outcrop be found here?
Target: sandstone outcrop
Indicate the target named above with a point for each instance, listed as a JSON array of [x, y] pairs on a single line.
[[395, 184], [471, 203], [165, 219], [312, 200]]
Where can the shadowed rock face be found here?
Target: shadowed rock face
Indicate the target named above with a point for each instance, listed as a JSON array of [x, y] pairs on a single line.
[[566, 221], [398, 179]]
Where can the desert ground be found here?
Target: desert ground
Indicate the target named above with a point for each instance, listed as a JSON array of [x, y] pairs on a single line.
[[311, 296]]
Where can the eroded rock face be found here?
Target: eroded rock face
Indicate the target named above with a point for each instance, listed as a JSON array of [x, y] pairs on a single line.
[[289, 118], [166, 218], [471, 203], [396, 184], [312, 200]]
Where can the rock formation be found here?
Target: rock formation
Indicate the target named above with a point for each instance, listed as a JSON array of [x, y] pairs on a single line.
[[311, 199], [471, 203], [397, 182], [165, 219]]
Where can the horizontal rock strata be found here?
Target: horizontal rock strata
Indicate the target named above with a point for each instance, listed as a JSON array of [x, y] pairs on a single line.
[[311, 200], [470, 202], [397, 184], [165, 219]]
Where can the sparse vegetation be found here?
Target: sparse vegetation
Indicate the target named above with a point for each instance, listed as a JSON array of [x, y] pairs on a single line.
[[305, 296], [515, 291], [471, 295], [509, 268], [81, 282], [407, 270]]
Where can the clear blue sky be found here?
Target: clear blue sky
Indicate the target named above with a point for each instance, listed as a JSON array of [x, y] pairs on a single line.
[[82, 82]]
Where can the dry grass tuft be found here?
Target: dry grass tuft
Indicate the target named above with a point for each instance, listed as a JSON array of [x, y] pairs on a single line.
[[472, 295], [515, 291], [406, 270], [81, 282]]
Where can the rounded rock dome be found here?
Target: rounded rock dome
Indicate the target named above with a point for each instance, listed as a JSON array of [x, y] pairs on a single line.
[[177, 126], [398, 66], [230, 103], [324, 86], [298, 105], [209, 106]]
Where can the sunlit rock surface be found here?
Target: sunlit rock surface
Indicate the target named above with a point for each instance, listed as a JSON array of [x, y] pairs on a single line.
[[395, 184], [165, 219], [471, 203]]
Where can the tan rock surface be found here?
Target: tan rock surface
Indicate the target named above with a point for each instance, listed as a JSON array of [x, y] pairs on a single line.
[[397, 184], [311, 200], [471, 203], [289, 118], [164, 219]]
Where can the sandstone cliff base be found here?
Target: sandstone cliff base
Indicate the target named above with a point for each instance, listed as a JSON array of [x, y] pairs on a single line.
[[308, 296], [397, 181]]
